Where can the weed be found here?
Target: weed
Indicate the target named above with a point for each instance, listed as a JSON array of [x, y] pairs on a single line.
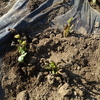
[[21, 48], [52, 67], [94, 1], [68, 28]]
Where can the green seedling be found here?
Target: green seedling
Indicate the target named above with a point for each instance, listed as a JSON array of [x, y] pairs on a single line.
[[21, 48], [94, 1], [17, 36], [68, 28], [52, 67], [21, 57]]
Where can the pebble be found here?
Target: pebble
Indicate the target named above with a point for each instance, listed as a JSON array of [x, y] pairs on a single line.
[[58, 79], [75, 93], [81, 93], [83, 81], [65, 90], [40, 76], [58, 35], [13, 43], [78, 67], [50, 79], [22, 95]]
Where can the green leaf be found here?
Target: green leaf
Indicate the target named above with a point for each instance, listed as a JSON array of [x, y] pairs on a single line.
[[21, 57], [94, 1], [17, 36], [20, 41], [70, 20], [53, 72], [52, 64], [23, 43], [22, 50]]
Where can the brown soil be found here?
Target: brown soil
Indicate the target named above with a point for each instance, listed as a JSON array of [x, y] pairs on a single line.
[[5, 5], [96, 6], [77, 56], [33, 4]]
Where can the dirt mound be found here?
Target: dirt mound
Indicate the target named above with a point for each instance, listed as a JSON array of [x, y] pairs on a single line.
[[76, 55]]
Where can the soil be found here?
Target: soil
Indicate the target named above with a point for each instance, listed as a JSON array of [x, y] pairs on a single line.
[[95, 6], [33, 4], [5, 6], [76, 56]]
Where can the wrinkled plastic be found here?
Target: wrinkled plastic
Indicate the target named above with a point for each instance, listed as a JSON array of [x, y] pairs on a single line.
[[18, 17], [86, 19]]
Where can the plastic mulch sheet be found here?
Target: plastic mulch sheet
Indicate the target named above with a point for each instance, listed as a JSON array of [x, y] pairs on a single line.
[[85, 19]]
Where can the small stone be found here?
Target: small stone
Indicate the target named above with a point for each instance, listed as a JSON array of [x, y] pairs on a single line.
[[31, 46], [18, 87], [34, 40], [32, 98], [83, 81], [49, 53], [50, 79], [65, 90], [78, 67], [13, 43], [58, 35], [22, 95], [81, 93], [92, 73], [40, 76], [59, 48], [45, 73], [75, 93], [24, 69], [58, 79], [64, 75], [52, 35], [24, 37], [71, 44]]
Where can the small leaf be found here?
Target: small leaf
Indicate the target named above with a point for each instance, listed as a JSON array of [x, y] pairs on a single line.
[[23, 43], [21, 57], [53, 72], [21, 50], [94, 1], [17, 36], [70, 20], [20, 41]]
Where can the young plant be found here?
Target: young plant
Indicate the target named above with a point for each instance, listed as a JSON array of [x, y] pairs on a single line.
[[52, 67], [68, 28], [21, 48], [94, 1]]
